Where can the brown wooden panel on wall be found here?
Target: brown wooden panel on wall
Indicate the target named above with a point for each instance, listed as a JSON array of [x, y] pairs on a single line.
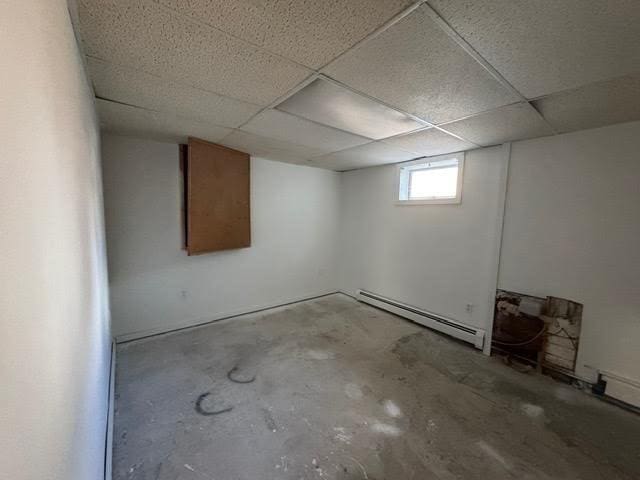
[[218, 210]]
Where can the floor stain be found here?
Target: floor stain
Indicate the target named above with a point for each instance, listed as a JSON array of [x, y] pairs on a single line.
[[380, 398]]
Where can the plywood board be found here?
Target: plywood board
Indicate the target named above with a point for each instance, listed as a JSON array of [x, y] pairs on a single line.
[[218, 207]]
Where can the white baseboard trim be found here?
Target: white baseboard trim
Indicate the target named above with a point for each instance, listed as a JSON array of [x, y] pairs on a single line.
[[129, 337], [108, 454]]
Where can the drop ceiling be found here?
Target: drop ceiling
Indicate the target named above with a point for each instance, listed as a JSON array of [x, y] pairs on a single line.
[[354, 83], [331, 104]]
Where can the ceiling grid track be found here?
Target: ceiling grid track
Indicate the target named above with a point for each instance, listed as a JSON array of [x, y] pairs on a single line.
[[281, 98], [317, 74], [195, 21], [300, 79], [466, 46], [165, 78], [445, 27], [382, 28]]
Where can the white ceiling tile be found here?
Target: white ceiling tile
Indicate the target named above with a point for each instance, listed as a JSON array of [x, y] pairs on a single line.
[[430, 142], [270, 148], [375, 153], [310, 32], [149, 37], [513, 122], [325, 102], [289, 128], [155, 93], [595, 105], [546, 46], [138, 122], [418, 68]]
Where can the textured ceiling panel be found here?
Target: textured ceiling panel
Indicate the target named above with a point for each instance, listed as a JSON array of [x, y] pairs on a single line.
[[416, 67], [310, 32], [325, 102], [545, 46], [375, 153], [595, 105], [146, 36], [137, 122], [514, 122], [430, 142], [264, 147], [289, 128], [154, 93]]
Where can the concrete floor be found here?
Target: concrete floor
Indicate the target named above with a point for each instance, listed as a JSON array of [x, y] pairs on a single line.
[[345, 391]]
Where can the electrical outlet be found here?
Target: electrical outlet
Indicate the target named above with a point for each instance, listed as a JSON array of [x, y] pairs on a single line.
[[469, 308]]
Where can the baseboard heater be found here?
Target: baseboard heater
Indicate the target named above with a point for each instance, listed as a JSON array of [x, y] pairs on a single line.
[[442, 324], [621, 388]]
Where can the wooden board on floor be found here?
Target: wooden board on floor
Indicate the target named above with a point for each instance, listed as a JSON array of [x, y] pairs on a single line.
[[218, 209]]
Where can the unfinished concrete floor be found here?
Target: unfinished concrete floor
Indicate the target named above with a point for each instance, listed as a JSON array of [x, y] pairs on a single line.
[[345, 391]]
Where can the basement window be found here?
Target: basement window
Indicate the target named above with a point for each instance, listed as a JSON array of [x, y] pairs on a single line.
[[434, 180]]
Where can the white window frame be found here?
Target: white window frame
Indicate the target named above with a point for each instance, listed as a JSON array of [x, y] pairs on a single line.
[[401, 180]]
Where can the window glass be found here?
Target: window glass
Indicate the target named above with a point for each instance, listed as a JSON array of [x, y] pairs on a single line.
[[434, 180]]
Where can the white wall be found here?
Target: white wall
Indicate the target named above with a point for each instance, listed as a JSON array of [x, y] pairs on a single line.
[[572, 229], [54, 323], [437, 257], [155, 286]]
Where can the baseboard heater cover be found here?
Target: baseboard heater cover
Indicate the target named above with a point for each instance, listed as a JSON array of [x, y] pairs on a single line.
[[442, 324], [621, 388]]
